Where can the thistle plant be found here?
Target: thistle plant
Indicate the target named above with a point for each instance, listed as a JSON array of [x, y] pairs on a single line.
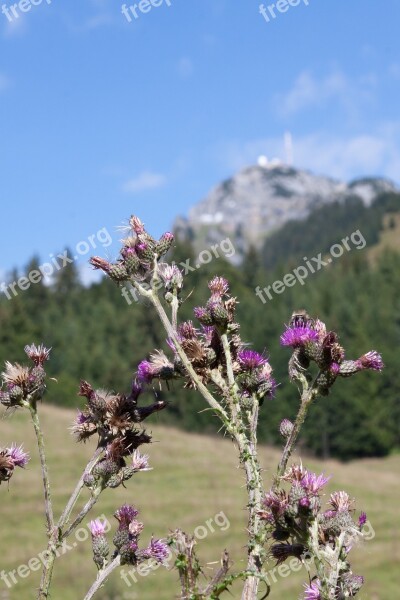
[[206, 354]]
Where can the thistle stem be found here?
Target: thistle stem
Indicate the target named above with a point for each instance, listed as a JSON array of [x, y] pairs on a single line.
[[76, 493], [79, 518], [45, 473], [102, 576], [307, 397]]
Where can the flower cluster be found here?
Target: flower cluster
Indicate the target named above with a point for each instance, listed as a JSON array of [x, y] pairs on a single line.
[[312, 342], [203, 348], [138, 253], [25, 384], [11, 457], [126, 539], [114, 418], [294, 514]]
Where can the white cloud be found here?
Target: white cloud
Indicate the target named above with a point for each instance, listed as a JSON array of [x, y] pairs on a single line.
[[147, 180], [309, 92], [341, 156]]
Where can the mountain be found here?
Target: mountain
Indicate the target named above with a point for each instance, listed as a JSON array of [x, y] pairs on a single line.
[[259, 200]]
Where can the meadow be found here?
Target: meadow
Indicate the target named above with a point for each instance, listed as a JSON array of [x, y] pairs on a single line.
[[194, 478]]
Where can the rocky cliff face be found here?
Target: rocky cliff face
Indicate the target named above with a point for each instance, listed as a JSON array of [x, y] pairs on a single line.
[[259, 200]]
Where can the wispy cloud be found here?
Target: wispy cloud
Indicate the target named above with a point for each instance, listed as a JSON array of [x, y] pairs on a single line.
[[310, 92], [147, 180], [342, 156]]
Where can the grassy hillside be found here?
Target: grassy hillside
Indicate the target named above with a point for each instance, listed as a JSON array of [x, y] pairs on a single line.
[[194, 479]]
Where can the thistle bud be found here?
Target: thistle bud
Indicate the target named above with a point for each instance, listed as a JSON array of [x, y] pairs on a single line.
[[164, 244], [285, 428], [99, 543]]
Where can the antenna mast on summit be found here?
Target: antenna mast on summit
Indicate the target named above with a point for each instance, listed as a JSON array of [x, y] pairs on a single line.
[[288, 140]]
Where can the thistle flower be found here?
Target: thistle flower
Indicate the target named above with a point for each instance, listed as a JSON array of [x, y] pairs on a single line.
[[97, 528], [298, 336], [136, 225], [362, 519], [140, 462], [159, 366], [18, 456], [171, 275], [15, 374], [219, 287], [38, 354], [312, 591], [249, 360], [340, 501], [158, 550], [125, 515], [312, 483], [203, 315], [372, 360]]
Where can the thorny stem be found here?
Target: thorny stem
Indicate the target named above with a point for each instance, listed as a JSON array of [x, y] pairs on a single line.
[[45, 473], [102, 576], [307, 397], [57, 537], [248, 456]]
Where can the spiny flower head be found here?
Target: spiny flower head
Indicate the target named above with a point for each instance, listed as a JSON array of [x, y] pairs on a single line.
[[298, 336], [312, 483], [159, 366], [372, 360], [158, 550], [97, 528], [218, 286], [312, 591], [249, 359], [136, 225], [125, 515], [140, 462], [38, 354], [340, 501], [18, 456]]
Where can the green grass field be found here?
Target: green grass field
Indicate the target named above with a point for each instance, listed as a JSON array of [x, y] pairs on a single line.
[[194, 478]]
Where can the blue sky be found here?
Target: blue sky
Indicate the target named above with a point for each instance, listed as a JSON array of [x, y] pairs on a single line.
[[101, 117]]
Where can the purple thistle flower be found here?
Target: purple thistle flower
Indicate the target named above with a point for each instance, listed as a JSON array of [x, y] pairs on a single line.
[[312, 483], [158, 550], [362, 519], [218, 286], [18, 456], [299, 335], [140, 462], [372, 360], [145, 372], [38, 354], [97, 528], [313, 591], [125, 515], [249, 359]]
